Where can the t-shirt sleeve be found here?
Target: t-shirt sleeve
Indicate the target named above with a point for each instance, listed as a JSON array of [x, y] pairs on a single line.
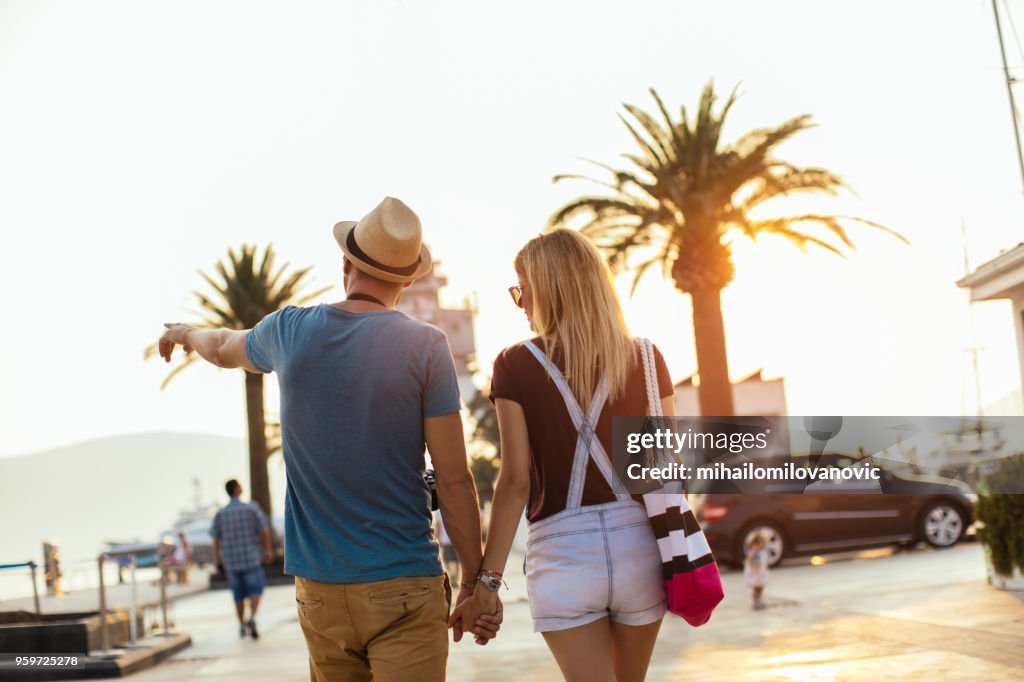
[[665, 386], [503, 382], [263, 343], [441, 392]]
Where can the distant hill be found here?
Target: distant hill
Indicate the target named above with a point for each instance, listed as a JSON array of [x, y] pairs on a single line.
[[117, 488]]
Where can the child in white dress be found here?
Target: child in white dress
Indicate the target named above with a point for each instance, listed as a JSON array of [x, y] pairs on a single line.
[[755, 567]]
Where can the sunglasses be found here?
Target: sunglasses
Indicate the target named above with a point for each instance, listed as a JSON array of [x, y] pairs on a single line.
[[516, 292]]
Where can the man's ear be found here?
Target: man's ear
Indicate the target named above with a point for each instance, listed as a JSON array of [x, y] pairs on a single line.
[[408, 284]]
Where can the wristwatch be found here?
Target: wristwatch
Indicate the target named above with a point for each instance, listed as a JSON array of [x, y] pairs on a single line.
[[491, 582]]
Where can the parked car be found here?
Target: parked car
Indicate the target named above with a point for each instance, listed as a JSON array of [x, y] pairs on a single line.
[[836, 516]]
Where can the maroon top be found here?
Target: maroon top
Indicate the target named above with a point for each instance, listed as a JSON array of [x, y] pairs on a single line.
[[520, 377]]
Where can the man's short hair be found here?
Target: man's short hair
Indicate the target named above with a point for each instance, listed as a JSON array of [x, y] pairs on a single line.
[[232, 487], [364, 275]]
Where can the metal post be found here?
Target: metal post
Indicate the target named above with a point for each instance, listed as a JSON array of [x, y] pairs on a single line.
[[1009, 90], [133, 613], [163, 594], [35, 588], [104, 633]]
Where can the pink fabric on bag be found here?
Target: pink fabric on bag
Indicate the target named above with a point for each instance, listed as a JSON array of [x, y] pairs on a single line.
[[694, 595]]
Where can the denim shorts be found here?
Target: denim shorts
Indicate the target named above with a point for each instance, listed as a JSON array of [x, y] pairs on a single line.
[[592, 562], [246, 583]]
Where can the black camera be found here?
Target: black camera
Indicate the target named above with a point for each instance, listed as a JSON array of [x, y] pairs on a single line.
[[428, 478]]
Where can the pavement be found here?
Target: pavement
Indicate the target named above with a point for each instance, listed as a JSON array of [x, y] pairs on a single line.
[[878, 615]]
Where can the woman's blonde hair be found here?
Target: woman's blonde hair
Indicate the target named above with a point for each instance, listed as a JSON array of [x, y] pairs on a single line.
[[576, 307]]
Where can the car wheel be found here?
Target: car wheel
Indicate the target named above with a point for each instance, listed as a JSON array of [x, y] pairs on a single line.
[[942, 524], [776, 547]]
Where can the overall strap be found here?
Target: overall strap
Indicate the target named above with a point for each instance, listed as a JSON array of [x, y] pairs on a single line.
[[588, 446]]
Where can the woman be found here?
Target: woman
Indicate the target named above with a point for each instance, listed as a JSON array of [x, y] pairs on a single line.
[[593, 572]]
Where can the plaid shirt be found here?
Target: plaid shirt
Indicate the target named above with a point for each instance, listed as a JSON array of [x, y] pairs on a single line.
[[237, 527]]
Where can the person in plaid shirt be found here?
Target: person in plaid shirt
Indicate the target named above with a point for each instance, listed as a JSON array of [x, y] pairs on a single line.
[[241, 543]]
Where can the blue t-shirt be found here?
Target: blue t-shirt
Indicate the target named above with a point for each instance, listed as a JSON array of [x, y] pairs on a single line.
[[355, 389]]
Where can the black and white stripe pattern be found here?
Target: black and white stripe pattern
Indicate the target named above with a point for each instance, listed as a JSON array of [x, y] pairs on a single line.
[[681, 541]]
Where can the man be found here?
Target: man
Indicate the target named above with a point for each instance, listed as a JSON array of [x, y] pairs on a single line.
[[241, 544], [363, 388]]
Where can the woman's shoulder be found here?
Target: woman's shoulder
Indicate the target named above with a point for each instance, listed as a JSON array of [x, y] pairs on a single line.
[[509, 371], [516, 351]]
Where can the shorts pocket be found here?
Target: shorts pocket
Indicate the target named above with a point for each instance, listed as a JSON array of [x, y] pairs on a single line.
[[307, 598], [307, 603], [406, 595]]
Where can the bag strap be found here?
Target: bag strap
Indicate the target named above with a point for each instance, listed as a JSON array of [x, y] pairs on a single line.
[[650, 377], [654, 409], [588, 445]]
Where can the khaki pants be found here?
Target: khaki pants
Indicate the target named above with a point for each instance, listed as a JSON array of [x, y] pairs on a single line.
[[385, 631]]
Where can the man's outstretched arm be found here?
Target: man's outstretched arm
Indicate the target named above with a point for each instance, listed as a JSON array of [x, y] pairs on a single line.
[[222, 347]]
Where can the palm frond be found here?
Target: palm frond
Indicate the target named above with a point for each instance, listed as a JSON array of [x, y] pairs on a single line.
[[310, 296], [652, 155], [655, 132], [679, 139], [223, 317], [592, 204], [871, 223], [572, 176], [190, 358], [687, 189], [782, 182], [783, 228], [641, 269]]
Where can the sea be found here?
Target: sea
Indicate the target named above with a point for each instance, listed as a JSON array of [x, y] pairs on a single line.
[[127, 488]]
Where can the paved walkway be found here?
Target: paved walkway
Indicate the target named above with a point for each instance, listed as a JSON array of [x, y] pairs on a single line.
[[871, 616]]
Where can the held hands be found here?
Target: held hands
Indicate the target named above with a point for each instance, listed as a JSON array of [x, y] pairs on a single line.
[[175, 335], [478, 611]]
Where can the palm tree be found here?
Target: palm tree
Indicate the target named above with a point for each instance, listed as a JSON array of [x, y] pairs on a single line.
[[245, 292], [684, 200]]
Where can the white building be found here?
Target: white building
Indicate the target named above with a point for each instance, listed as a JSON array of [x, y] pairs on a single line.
[[752, 396], [421, 301], [1002, 278]]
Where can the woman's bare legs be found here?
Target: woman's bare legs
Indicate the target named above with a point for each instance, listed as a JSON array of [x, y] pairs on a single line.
[[632, 646], [583, 653], [603, 651]]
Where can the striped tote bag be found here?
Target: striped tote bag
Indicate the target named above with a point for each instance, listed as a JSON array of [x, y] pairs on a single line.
[[692, 582]]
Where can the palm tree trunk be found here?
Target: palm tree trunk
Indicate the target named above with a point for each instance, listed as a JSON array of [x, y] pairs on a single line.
[[715, 390], [259, 482]]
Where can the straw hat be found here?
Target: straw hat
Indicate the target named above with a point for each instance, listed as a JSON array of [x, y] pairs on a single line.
[[387, 243]]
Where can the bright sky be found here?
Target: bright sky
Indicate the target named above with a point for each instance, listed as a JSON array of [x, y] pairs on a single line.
[[139, 140]]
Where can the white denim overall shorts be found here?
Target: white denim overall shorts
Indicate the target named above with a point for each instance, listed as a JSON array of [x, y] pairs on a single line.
[[588, 563]]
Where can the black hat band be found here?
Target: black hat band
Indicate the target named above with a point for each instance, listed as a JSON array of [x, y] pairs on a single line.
[[350, 241]]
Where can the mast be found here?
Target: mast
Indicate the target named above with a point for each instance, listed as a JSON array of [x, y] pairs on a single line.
[[973, 350], [1009, 91]]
